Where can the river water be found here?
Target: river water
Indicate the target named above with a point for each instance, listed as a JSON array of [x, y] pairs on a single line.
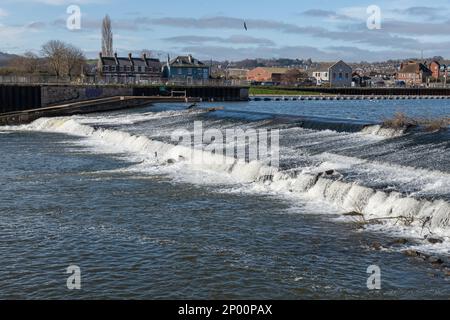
[[113, 194]]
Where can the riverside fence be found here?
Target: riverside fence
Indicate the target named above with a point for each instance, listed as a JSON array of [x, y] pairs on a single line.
[[98, 80], [367, 91]]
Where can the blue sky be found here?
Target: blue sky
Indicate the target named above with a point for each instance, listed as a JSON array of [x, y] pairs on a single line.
[[322, 30]]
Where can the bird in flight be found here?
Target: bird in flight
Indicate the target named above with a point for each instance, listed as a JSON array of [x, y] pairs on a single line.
[[245, 26]]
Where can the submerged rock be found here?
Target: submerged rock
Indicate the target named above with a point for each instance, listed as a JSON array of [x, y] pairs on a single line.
[[353, 214], [400, 241], [435, 240], [377, 246], [435, 260], [414, 253]]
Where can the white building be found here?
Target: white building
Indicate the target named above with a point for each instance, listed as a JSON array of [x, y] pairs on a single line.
[[338, 74]]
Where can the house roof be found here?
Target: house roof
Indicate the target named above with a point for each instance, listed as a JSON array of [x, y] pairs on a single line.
[[275, 70], [125, 61], [138, 62], [414, 68], [324, 66], [186, 61], [108, 61]]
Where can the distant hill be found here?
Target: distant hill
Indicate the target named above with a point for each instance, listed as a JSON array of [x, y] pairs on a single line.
[[5, 58]]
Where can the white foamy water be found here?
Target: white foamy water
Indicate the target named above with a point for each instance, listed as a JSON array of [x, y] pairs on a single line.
[[404, 214], [132, 118], [379, 130]]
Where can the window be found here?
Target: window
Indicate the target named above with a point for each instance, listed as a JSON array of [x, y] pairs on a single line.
[[180, 72], [346, 76], [334, 75], [340, 75], [189, 71]]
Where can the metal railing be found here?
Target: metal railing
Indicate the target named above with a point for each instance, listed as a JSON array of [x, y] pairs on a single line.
[[98, 80]]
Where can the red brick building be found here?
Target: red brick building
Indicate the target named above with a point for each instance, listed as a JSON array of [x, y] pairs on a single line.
[[435, 68], [261, 74], [414, 73]]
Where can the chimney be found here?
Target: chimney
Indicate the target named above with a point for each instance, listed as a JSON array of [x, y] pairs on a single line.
[[130, 57], [190, 58], [144, 57], [115, 58]]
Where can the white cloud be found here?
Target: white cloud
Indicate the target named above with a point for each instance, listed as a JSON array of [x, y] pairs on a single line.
[[359, 13], [3, 13], [64, 2]]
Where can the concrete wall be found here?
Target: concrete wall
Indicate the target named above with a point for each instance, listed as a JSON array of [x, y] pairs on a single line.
[[61, 94], [216, 93], [244, 93], [19, 97]]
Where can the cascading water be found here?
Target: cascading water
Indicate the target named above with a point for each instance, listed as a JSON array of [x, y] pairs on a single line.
[[148, 213], [390, 206]]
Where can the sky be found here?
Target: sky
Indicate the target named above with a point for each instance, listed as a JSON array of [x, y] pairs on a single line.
[[323, 30]]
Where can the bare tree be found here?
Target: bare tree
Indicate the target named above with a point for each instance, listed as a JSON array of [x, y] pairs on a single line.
[[75, 60], [147, 52], [55, 52], [107, 37], [294, 76], [32, 62], [26, 64], [63, 58]]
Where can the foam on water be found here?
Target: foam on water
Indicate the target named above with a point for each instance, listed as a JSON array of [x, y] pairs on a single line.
[[420, 182], [398, 211], [379, 130], [133, 118]]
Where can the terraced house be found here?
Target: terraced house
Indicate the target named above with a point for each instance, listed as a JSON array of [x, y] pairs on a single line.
[[129, 69]]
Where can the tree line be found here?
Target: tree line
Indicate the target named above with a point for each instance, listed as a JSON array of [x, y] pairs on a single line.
[[57, 58]]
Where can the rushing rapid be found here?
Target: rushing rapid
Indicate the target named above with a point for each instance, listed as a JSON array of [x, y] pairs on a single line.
[[326, 165], [390, 182]]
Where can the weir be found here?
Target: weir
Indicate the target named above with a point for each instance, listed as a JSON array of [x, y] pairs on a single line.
[[322, 97], [89, 106], [425, 215], [368, 91]]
